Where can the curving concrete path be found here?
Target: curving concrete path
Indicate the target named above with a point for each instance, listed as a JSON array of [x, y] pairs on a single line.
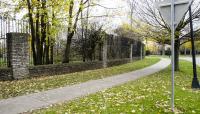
[[38, 100], [190, 59]]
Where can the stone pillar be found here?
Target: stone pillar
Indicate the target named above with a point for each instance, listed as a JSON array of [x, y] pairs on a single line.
[[18, 54], [105, 48], [131, 52]]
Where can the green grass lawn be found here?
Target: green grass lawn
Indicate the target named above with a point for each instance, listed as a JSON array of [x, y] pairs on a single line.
[[21, 87], [149, 95]]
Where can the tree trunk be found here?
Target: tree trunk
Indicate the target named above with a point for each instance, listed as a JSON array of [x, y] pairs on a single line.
[[141, 51], [70, 33], [100, 52], [71, 29], [31, 23], [43, 53], [51, 54], [86, 29], [90, 53], [44, 46], [52, 41], [82, 38], [94, 54], [68, 46], [176, 52], [47, 52], [47, 55], [38, 46]]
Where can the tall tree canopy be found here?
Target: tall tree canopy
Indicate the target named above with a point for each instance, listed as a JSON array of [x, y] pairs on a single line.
[[44, 20]]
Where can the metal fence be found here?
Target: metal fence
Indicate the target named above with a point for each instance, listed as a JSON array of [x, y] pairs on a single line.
[[8, 25], [118, 47]]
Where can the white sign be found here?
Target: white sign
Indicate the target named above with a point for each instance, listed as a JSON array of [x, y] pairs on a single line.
[[172, 12], [180, 8]]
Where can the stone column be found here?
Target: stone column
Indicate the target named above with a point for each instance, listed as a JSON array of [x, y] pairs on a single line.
[[18, 55], [131, 52], [105, 48]]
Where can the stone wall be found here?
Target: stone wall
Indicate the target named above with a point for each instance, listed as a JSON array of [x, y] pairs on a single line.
[[118, 62], [6, 74], [18, 61], [50, 70], [59, 69]]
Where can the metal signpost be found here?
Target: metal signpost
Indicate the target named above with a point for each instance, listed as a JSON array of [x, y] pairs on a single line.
[[172, 52], [172, 12]]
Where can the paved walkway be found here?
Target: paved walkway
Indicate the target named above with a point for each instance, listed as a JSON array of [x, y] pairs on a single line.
[[190, 59], [38, 100]]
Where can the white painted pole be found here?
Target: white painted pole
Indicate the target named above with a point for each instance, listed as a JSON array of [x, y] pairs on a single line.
[[172, 50]]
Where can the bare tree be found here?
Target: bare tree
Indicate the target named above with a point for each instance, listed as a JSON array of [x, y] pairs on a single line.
[[72, 25], [131, 4], [148, 13]]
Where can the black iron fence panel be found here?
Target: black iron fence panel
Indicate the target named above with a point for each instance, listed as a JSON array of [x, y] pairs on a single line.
[[81, 49], [9, 25]]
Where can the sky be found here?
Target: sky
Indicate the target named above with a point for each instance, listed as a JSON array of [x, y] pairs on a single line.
[[118, 12]]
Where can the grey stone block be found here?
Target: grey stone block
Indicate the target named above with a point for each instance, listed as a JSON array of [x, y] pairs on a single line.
[[18, 59]]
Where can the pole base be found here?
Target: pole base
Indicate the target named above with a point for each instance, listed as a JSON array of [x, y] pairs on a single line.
[[195, 83]]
